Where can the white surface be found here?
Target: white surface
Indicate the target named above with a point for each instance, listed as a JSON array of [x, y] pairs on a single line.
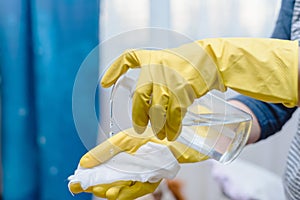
[[243, 180]]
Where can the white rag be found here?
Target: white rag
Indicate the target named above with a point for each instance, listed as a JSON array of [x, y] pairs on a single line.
[[151, 163]]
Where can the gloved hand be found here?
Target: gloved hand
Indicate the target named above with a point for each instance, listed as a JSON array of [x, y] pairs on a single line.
[[129, 141], [121, 190], [170, 80]]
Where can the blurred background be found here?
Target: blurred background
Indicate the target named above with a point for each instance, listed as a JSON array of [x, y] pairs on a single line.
[[42, 45]]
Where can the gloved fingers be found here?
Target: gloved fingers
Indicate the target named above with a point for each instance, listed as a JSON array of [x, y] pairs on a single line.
[[99, 191], [126, 141], [174, 122], [161, 135], [141, 101], [129, 59], [136, 190], [186, 154], [113, 193], [106, 150], [99, 154], [109, 190], [180, 99], [76, 188], [158, 110]]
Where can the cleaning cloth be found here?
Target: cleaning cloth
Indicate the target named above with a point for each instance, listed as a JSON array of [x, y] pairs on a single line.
[[151, 163]]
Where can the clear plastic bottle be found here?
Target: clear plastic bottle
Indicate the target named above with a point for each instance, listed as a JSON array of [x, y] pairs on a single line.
[[211, 125]]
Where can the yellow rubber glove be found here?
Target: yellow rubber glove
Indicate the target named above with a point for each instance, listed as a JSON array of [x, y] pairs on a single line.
[[121, 190], [170, 80], [129, 141]]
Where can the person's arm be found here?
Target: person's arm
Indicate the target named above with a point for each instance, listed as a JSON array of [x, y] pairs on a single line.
[[283, 26], [271, 117], [255, 129], [268, 118]]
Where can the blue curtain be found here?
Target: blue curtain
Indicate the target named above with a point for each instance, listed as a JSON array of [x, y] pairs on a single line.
[[42, 44]]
